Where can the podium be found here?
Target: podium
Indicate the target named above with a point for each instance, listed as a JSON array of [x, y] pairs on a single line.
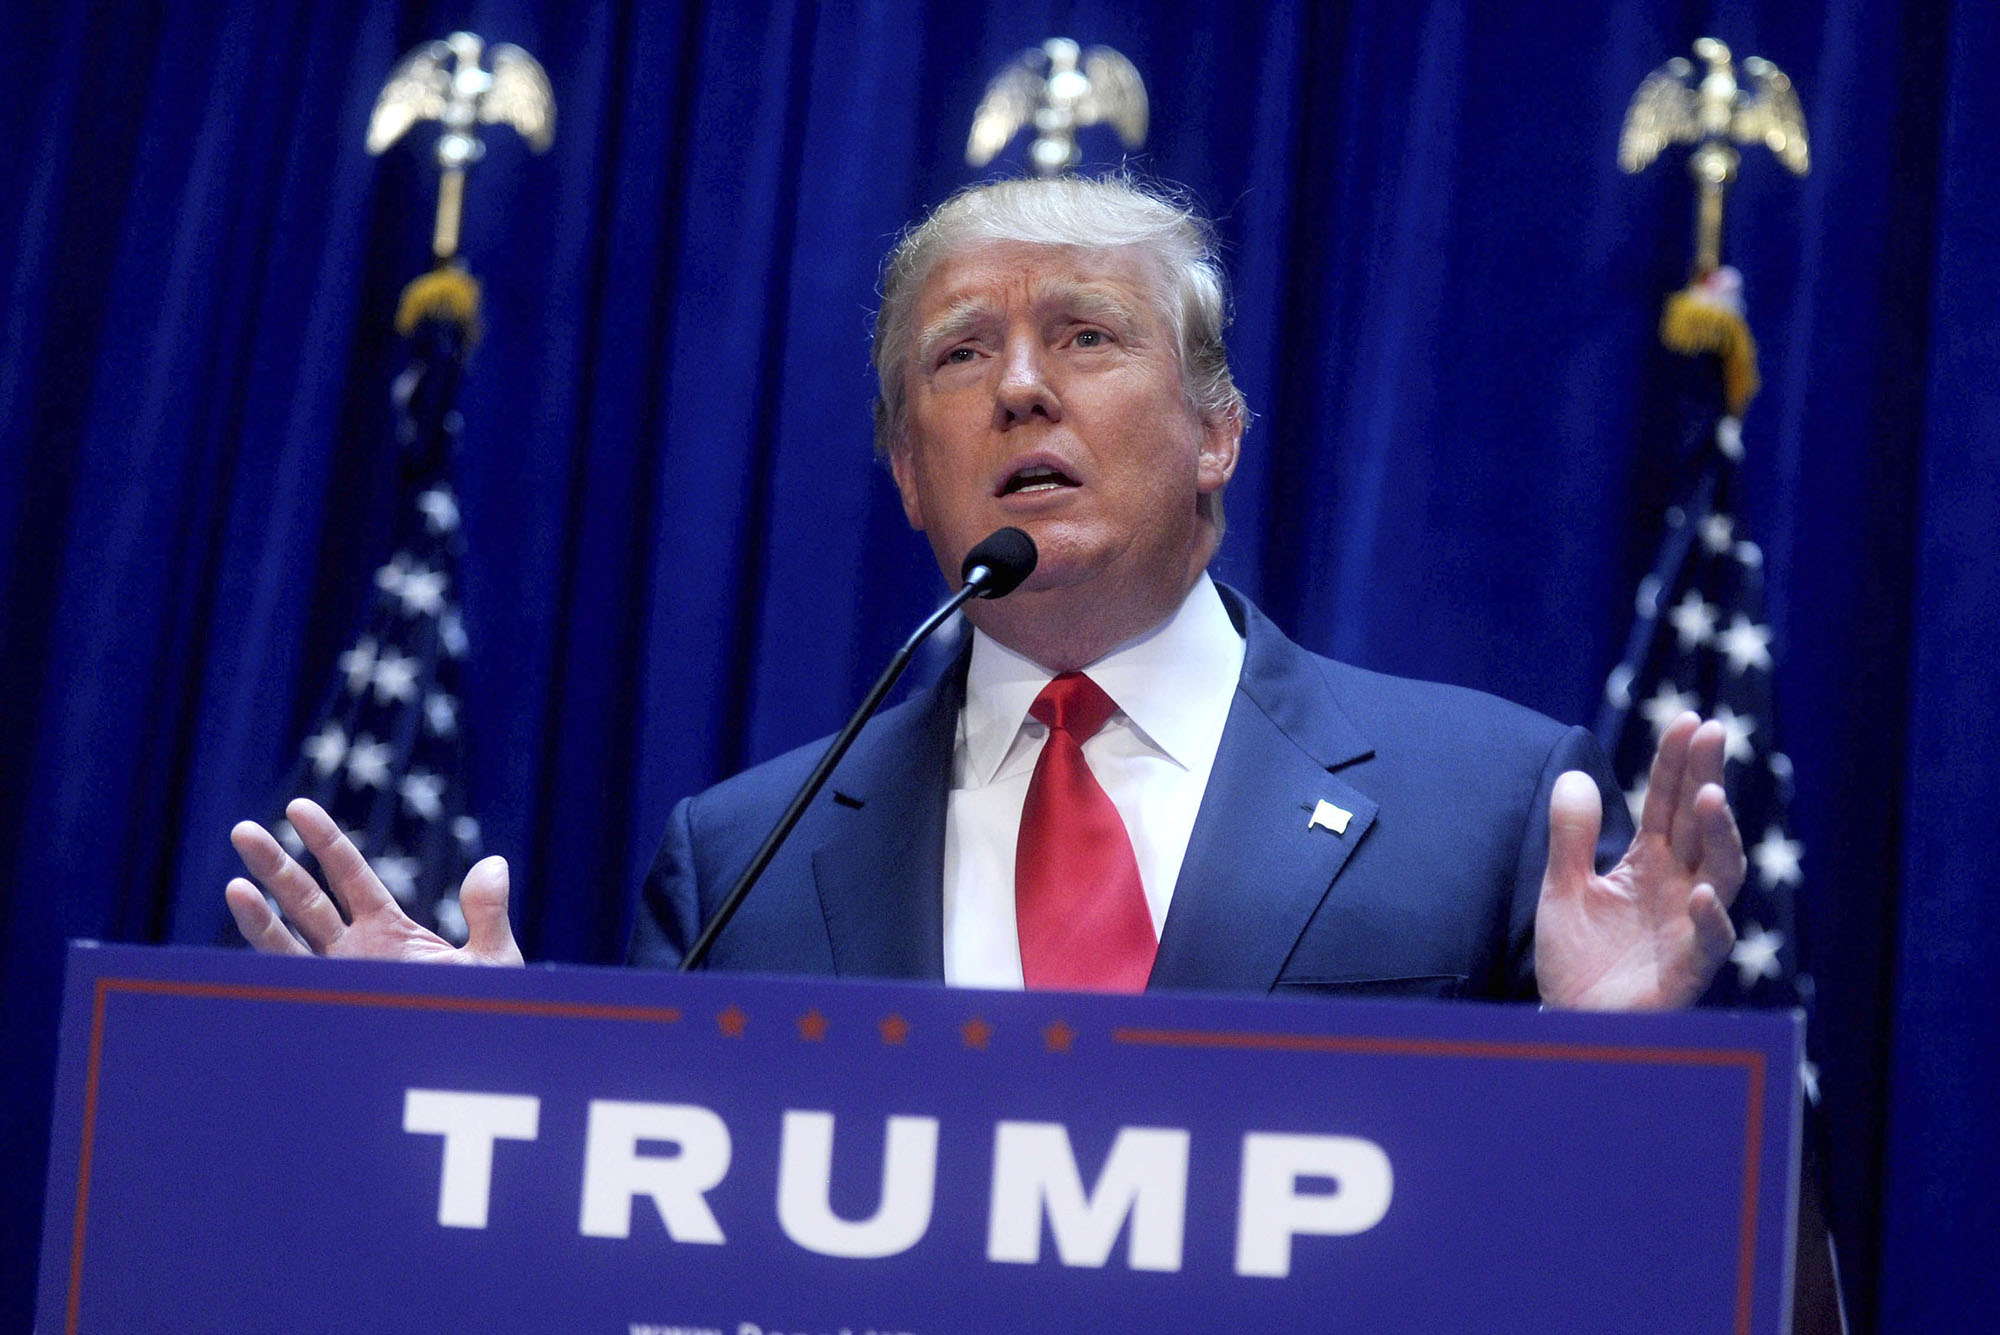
[[247, 1143]]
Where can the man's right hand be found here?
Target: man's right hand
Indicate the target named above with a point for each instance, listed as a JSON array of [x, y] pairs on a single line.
[[376, 927]]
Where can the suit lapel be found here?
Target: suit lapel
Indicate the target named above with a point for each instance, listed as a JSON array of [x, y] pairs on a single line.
[[1257, 864], [880, 873]]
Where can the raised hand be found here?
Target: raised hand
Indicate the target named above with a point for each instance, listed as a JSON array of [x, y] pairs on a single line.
[[1650, 933], [375, 926]]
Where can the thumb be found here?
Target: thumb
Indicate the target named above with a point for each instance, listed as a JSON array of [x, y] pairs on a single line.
[[1575, 814], [483, 900]]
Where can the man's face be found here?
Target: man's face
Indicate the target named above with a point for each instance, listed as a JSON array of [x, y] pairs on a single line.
[[1043, 390]]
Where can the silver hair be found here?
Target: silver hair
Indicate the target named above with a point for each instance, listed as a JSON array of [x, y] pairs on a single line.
[[1097, 214]]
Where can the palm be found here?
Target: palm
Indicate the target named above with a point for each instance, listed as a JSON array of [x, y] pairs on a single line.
[[374, 926], [1651, 932]]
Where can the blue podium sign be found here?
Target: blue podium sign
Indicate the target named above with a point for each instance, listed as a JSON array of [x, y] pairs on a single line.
[[254, 1144]]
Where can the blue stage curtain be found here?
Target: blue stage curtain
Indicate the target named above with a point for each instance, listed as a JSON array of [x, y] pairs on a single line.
[[682, 557]]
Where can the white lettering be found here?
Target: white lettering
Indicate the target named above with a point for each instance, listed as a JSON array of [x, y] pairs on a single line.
[[1034, 1170], [1270, 1209], [805, 1176], [469, 1123], [614, 1171]]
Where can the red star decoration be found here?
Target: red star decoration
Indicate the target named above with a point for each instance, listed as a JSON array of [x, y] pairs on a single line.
[[1058, 1036], [975, 1032], [812, 1026], [894, 1030], [731, 1022]]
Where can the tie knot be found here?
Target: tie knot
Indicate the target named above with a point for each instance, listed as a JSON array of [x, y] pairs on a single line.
[[1074, 704]]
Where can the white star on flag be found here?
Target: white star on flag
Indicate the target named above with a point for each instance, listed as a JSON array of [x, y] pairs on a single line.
[[451, 633], [451, 920], [326, 749], [1729, 438], [395, 678], [440, 714], [1666, 705], [1717, 532], [289, 837], [1745, 645], [389, 578], [1736, 733], [368, 763], [1635, 797], [466, 830], [1809, 1080], [422, 592], [1777, 859], [398, 873], [359, 665], [1755, 954], [440, 510], [421, 793], [1693, 621]]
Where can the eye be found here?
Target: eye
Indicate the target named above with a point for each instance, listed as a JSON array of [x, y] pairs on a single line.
[[958, 355], [1091, 338]]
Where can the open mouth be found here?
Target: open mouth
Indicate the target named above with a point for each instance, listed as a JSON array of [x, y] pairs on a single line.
[[1035, 478]]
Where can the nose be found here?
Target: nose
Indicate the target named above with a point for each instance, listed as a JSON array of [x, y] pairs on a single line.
[[1025, 391]]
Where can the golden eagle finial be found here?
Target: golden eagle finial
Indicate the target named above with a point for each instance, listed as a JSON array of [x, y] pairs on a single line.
[[1671, 108], [1058, 87], [446, 82]]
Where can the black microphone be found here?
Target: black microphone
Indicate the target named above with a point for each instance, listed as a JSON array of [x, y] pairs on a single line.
[[999, 564], [993, 569]]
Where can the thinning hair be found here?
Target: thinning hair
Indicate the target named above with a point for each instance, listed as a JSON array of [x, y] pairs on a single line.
[[1107, 213]]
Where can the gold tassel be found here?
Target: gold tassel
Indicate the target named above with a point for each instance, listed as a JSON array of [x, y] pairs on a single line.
[[1694, 323], [446, 293]]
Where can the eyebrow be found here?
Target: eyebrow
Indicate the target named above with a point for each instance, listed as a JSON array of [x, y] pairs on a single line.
[[1082, 300], [959, 319], [1090, 303]]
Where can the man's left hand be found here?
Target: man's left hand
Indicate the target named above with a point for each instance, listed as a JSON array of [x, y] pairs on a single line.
[[1650, 933]]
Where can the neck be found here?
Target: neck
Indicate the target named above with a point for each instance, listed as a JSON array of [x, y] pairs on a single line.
[[1067, 629]]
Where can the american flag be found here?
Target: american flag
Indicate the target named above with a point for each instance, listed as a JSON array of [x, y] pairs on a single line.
[[384, 754], [1701, 641]]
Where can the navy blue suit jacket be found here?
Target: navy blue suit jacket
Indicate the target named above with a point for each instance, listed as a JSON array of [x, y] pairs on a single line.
[[1430, 890]]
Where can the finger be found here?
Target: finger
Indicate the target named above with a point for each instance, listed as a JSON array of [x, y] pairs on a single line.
[[1575, 814], [1714, 937], [1705, 760], [1708, 753], [297, 893], [1667, 776], [1722, 860], [348, 874], [263, 929], [483, 900]]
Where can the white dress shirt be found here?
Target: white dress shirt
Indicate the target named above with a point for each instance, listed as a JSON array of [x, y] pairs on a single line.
[[1173, 688]]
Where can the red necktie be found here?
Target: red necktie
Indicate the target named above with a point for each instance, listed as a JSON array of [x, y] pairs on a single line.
[[1082, 913]]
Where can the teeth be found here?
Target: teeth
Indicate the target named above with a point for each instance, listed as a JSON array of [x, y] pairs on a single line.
[[1040, 477]]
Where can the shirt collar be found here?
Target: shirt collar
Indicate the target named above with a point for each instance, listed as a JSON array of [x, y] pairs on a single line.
[[1173, 683]]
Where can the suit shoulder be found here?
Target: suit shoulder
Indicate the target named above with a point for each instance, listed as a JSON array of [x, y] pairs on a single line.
[[1459, 720]]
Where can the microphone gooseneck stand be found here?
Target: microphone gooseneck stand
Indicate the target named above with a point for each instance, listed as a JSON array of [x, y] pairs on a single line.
[[992, 569]]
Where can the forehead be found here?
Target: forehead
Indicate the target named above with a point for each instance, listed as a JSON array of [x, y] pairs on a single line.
[[1010, 274]]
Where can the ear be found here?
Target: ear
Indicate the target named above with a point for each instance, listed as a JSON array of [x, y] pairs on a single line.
[[1222, 440], [903, 467]]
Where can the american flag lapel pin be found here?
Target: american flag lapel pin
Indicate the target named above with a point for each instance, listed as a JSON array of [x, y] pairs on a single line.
[[1327, 816]]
